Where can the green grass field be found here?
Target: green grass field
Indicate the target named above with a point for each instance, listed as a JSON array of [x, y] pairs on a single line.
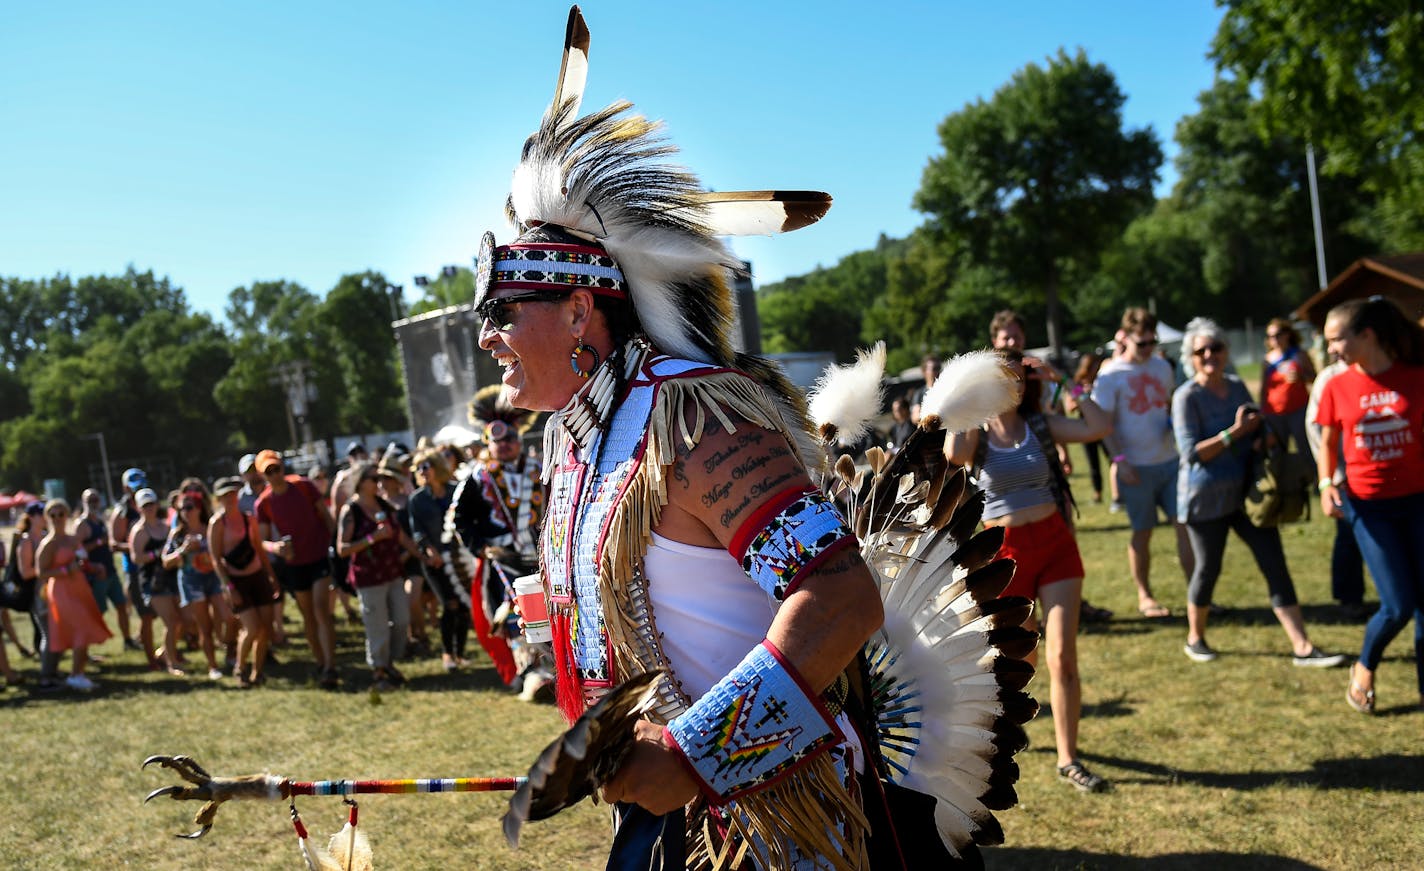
[[1247, 762]]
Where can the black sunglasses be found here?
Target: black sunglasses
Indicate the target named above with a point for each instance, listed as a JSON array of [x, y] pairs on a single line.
[[496, 313], [1214, 347], [1145, 343]]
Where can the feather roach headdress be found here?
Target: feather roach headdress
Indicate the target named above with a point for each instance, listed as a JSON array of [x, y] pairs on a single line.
[[598, 206], [492, 413]]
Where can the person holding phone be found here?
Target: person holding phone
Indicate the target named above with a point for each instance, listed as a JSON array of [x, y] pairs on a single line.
[[1215, 422]]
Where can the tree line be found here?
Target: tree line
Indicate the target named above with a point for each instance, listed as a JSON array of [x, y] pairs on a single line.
[[1042, 200], [128, 357]]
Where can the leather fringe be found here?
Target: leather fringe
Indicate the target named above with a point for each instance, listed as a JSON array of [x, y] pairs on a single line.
[[809, 812]]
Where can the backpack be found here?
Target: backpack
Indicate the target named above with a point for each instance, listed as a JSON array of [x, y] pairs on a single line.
[[16, 593], [1281, 483]]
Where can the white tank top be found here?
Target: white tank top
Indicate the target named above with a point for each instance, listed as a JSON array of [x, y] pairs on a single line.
[[708, 612], [709, 615]]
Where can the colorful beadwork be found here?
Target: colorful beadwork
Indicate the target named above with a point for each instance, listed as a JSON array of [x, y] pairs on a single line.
[[756, 724], [793, 541]]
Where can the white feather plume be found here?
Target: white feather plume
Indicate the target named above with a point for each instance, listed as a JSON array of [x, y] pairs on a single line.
[[972, 388], [847, 397]]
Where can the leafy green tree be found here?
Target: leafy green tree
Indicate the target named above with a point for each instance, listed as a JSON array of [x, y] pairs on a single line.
[[1345, 77], [355, 319], [822, 311], [1249, 197], [1041, 178], [276, 326], [444, 290]]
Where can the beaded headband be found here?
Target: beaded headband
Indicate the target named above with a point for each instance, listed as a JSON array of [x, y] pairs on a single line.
[[546, 266]]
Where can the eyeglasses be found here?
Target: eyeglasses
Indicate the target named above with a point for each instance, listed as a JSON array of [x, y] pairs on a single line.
[[272, 470], [1214, 348], [496, 313], [424, 467], [1145, 343], [54, 515], [1273, 335]]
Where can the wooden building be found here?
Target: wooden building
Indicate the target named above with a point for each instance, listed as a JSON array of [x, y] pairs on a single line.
[[1399, 278]]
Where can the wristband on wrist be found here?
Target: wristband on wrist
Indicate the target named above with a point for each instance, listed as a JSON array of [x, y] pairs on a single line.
[[1120, 458], [1225, 437], [370, 542], [756, 724], [1325, 482]]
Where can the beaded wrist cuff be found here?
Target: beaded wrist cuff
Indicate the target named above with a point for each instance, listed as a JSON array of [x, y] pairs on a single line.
[[757, 724]]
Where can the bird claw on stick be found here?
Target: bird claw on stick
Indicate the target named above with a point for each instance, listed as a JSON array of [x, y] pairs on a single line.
[[212, 790]]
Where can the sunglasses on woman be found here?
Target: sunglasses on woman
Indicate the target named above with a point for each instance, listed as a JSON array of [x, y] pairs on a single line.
[[1214, 347], [497, 314]]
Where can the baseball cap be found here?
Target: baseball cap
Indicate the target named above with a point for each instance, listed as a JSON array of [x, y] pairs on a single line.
[[355, 448], [145, 497], [267, 459], [247, 462], [35, 507], [135, 479], [223, 486]]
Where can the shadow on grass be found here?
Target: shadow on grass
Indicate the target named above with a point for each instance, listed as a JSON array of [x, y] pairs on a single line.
[[1392, 772], [1314, 615], [1040, 859]]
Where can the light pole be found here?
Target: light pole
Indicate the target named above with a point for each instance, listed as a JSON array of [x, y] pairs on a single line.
[[1315, 214], [395, 292], [104, 459]]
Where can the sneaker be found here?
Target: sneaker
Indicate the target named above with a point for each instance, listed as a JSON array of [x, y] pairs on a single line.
[[1198, 651], [1318, 658], [1114, 507], [79, 682], [215, 674], [1080, 778], [130, 644], [329, 679]]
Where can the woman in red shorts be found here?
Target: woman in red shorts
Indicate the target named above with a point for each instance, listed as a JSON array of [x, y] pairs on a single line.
[[246, 575], [1015, 459]]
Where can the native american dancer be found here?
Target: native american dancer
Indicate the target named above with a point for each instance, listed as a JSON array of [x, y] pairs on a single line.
[[493, 527], [759, 679], [684, 533]]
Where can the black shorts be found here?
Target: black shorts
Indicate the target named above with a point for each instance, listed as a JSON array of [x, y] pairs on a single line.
[[301, 578], [137, 596], [249, 591]]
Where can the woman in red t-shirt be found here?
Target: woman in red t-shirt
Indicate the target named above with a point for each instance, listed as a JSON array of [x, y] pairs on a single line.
[[1377, 405], [1285, 382]]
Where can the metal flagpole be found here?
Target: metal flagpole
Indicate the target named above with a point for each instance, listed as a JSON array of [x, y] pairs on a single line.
[[1315, 214]]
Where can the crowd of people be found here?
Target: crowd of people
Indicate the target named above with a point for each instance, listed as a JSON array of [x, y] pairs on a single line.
[[1182, 451], [212, 567], [215, 567]]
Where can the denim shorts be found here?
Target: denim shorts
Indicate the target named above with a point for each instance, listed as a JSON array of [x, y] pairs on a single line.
[[1156, 487], [108, 589], [195, 586]]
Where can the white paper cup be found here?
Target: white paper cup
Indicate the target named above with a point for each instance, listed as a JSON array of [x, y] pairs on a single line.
[[533, 608]]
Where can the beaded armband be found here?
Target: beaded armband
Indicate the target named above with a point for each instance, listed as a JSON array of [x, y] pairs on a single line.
[[755, 725], [787, 537]]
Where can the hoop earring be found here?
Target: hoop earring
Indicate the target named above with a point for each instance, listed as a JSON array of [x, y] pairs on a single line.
[[579, 350]]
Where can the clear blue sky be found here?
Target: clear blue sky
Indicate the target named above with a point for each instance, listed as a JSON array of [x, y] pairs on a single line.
[[219, 144]]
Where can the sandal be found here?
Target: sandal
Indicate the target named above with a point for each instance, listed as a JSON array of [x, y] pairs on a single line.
[[1081, 778], [1361, 699], [1153, 610]]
